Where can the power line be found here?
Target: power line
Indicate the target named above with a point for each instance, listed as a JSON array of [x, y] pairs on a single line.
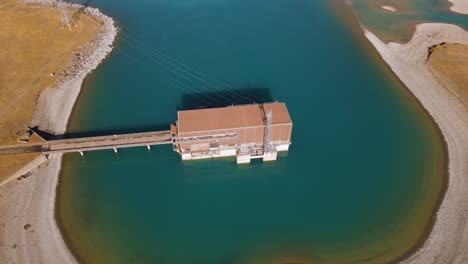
[[196, 81], [159, 54]]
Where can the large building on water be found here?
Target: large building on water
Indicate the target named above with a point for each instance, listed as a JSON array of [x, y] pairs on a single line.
[[245, 131]]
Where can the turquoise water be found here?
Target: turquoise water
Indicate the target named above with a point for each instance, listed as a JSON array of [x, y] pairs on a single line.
[[359, 183]]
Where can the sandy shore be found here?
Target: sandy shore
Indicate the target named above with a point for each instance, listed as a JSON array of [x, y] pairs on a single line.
[[31, 201], [448, 240], [29, 232], [459, 6], [389, 8]]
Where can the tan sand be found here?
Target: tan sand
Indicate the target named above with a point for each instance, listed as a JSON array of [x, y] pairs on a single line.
[[448, 240], [389, 8], [449, 63], [29, 232], [459, 6]]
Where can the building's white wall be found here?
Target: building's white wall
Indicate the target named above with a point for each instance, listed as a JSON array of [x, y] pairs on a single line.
[[202, 156], [282, 147], [270, 156], [243, 159], [245, 152], [227, 152], [186, 156]]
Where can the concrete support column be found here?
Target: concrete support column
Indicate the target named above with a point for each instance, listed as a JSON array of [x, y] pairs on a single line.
[[149, 147], [81, 153], [115, 150]]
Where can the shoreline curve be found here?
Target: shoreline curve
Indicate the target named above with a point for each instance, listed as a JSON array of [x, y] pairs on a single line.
[[449, 234], [31, 233], [459, 6]]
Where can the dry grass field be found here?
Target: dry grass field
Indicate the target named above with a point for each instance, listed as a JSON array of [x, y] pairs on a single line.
[[450, 64], [33, 45]]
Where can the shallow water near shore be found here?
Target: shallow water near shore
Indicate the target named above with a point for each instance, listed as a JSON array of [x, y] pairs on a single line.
[[359, 184]]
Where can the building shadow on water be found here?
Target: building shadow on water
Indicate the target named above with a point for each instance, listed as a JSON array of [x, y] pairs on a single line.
[[47, 135], [223, 98], [200, 100]]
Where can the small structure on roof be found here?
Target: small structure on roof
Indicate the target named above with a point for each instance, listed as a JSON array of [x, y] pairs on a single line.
[[245, 131]]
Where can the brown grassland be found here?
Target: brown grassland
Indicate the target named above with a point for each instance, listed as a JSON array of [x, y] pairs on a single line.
[[449, 62], [33, 44]]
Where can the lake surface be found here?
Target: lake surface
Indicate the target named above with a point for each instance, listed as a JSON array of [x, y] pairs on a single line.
[[361, 180]]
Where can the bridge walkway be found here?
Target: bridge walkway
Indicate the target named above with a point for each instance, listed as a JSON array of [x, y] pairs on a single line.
[[91, 143]]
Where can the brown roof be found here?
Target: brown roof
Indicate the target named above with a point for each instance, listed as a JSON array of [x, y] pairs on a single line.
[[279, 111], [229, 117]]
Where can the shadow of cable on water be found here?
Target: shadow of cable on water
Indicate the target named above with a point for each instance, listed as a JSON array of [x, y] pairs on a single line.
[[223, 98], [47, 135], [201, 100]]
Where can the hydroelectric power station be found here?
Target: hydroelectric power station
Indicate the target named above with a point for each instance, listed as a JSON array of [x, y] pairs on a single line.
[[253, 131], [245, 131]]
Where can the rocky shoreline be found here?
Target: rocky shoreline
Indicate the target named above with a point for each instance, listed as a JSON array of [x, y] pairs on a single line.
[[82, 62], [30, 233]]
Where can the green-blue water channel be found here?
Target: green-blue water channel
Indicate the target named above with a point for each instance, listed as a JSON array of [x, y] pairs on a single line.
[[359, 184]]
